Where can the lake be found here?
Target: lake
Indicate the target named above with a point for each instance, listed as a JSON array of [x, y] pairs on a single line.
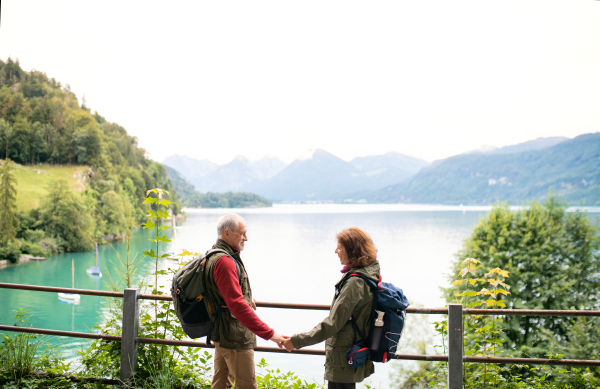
[[289, 257]]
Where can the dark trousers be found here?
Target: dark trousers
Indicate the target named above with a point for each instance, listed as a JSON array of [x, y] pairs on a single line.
[[339, 385]]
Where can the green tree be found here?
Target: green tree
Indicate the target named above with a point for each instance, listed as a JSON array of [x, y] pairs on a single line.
[[6, 137], [8, 203], [19, 150], [64, 214], [37, 145], [112, 211], [553, 260]]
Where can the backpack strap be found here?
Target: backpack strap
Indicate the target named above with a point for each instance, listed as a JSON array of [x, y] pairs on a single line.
[[218, 313], [237, 265], [373, 286]]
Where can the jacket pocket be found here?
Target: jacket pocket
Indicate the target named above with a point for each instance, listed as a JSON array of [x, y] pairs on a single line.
[[344, 339], [235, 335]]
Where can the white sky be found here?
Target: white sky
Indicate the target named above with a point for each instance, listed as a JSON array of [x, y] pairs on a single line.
[[428, 78]]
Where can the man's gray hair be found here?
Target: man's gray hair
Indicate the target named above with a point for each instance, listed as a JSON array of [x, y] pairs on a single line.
[[229, 222]]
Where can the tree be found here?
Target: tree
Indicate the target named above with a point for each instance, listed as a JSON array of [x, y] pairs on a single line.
[[553, 260], [8, 203], [64, 214], [20, 141], [37, 145], [6, 136]]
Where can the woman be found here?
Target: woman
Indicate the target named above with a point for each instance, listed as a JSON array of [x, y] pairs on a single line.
[[357, 254]]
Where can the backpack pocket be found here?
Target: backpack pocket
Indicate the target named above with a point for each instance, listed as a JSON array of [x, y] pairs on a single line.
[[357, 355], [195, 331]]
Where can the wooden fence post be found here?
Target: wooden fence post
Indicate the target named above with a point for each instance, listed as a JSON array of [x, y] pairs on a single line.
[[131, 322], [455, 346]]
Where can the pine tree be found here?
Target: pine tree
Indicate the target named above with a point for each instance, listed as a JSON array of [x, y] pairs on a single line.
[[8, 203]]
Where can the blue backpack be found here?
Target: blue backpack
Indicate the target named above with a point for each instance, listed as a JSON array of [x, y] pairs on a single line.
[[389, 304]]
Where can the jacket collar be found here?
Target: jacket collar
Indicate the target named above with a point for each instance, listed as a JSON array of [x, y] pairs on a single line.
[[371, 271], [221, 244]]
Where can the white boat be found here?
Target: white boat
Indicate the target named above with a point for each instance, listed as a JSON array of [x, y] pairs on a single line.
[[72, 297], [95, 270]]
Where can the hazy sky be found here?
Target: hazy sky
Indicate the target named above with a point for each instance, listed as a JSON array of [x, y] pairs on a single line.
[[428, 78]]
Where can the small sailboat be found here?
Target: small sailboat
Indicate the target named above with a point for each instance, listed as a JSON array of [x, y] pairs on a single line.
[[95, 270], [70, 296]]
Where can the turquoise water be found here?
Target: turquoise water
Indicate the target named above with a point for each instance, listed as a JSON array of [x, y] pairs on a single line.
[[289, 256]]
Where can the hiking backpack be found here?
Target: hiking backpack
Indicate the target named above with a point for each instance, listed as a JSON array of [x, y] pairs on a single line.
[[381, 343], [190, 301]]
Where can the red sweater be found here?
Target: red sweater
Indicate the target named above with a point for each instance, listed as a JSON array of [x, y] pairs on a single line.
[[228, 283]]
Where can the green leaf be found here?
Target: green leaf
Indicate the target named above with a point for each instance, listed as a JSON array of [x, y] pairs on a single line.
[[166, 202], [149, 200], [149, 225]]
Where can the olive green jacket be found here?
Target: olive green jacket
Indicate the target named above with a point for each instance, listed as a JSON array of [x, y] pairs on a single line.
[[355, 299], [231, 333]]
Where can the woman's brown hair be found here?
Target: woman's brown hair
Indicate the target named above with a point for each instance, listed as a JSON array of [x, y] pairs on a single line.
[[358, 245]]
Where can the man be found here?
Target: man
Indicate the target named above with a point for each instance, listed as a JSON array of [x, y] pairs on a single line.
[[235, 337]]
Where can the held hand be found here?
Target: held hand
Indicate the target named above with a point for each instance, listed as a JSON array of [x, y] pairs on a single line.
[[279, 339], [253, 303], [288, 345]]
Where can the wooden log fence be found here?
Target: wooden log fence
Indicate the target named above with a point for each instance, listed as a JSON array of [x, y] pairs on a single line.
[[455, 358]]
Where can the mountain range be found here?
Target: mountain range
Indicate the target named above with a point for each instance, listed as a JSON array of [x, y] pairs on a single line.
[[570, 168], [515, 173], [318, 176]]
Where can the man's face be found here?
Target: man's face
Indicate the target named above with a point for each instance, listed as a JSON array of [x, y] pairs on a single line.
[[238, 238]]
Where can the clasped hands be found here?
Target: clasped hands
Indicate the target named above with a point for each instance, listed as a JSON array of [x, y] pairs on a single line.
[[283, 341]]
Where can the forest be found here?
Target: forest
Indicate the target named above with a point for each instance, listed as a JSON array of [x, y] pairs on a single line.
[[43, 123]]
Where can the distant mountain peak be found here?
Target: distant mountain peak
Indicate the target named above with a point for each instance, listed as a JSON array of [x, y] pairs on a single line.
[[307, 155]]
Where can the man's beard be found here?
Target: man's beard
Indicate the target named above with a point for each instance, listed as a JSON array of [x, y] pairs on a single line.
[[241, 245]]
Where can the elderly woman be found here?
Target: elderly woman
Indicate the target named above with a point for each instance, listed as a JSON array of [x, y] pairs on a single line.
[[357, 254]]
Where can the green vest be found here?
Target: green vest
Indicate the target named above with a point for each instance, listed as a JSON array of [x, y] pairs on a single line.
[[230, 334]]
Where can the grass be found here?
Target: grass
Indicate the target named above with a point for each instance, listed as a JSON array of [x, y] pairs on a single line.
[[34, 180]]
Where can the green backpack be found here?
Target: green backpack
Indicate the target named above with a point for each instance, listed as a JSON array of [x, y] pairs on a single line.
[[189, 298]]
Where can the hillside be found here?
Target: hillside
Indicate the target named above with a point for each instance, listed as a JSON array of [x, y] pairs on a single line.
[[34, 181], [571, 168], [81, 179], [194, 199]]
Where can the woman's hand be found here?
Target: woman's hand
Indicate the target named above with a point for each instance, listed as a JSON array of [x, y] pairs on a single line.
[[279, 339], [288, 345]]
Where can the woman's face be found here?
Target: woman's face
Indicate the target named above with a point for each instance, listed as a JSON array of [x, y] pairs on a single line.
[[342, 254]]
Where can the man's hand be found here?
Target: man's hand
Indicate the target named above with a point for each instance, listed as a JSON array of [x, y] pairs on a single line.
[[279, 339], [288, 345], [253, 303]]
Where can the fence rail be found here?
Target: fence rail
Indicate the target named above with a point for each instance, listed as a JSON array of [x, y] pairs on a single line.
[[455, 312]]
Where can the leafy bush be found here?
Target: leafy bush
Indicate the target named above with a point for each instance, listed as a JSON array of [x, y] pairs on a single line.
[[26, 360], [553, 258], [484, 337], [10, 250]]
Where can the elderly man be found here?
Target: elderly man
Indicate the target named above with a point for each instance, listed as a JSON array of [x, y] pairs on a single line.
[[235, 337]]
